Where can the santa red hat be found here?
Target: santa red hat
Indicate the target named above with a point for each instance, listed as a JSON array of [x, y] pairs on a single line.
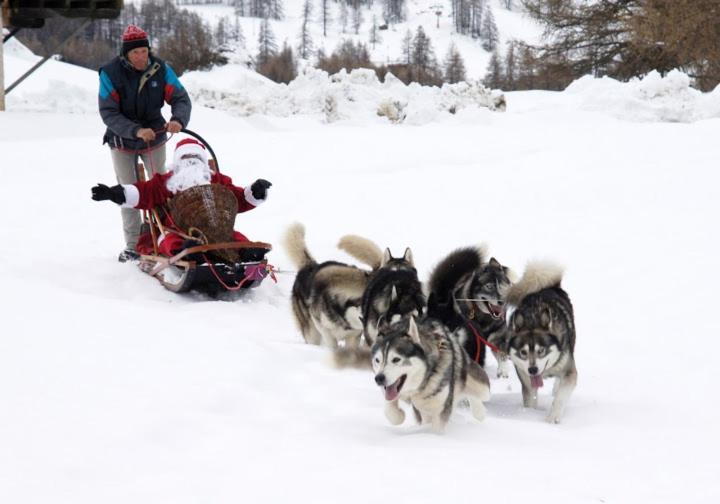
[[134, 37], [190, 146]]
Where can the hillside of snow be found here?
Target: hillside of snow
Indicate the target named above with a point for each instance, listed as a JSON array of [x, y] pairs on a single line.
[[510, 24], [115, 390]]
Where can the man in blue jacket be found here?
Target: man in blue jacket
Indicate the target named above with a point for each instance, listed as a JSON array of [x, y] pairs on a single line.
[[133, 88]]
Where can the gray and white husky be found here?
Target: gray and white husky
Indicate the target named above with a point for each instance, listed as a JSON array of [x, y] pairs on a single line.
[[394, 291], [541, 336], [422, 364], [468, 295], [327, 296]]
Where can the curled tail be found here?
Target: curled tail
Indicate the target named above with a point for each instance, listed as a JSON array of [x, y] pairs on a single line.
[[446, 275], [358, 358], [294, 242], [538, 275], [362, 249]]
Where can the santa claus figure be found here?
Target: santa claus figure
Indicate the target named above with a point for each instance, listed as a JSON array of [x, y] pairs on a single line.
[[190, 168]]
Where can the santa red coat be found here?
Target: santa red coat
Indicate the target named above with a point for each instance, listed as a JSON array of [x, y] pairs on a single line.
[[154, 192]]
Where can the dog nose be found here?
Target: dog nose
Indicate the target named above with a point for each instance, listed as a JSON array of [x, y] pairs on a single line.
[[380, 379], [533, 370]]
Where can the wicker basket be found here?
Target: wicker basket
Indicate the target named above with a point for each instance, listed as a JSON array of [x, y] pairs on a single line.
[[209, 208]]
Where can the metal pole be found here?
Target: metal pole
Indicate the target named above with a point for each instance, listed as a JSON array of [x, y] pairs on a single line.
[[39, 63]]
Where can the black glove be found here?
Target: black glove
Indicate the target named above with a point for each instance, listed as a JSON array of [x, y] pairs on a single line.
[[259, 189], [116, 193]]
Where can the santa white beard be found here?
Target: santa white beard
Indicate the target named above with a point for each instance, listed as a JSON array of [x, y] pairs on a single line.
[[188, 173]]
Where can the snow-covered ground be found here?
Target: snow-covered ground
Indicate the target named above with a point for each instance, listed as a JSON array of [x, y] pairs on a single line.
[[115, 390]]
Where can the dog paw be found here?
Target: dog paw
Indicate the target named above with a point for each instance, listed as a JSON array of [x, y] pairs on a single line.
[[503, 370], [395, 415], [478, 411], [553, 418]]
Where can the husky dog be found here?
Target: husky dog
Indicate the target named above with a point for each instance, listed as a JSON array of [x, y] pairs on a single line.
[[394, 291], [425, 366], [327, 297], [468, 296], [541, 336]]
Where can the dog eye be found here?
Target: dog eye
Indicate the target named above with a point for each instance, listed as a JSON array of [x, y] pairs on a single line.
[[396, 360], [541, 351], [523, 353], [377, 360], [487, 287]]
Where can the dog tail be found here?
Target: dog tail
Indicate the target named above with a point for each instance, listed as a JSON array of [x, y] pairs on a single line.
[[538, 275], [449, 271], [294, 241], [362, 249], [358, 358]]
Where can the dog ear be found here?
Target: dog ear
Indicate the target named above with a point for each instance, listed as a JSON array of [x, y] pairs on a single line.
[[408, 256], [495, 263], [413, 331], [386, 257], [517, 322]]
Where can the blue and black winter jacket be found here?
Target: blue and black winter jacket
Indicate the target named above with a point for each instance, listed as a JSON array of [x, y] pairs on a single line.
[[131, 99]]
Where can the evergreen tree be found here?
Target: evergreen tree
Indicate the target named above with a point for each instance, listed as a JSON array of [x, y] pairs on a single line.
[[305, 46], [375, 37], [424, 63], [495, 74], [489, 32], [510, 70], [325, 17], [454, 65], [357, 18], [267, 47], [343, 16], [407, 47]]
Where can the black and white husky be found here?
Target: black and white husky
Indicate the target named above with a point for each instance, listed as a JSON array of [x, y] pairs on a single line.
[[327, 296], [425, 366], [394, 291], [468, 295], [541, 336]]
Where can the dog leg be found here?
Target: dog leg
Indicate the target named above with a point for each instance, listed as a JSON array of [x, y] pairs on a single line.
[[563, 388], [438, 424], [393, 413], [529, 395], [477, 407], [503, 364]]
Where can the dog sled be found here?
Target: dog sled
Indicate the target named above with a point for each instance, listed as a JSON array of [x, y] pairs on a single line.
[[211, 261]]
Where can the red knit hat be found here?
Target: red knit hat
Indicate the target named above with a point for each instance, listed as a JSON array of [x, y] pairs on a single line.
[[190, 146], [134, 37]]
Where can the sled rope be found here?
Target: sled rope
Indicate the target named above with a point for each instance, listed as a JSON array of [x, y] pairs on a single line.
[[479, 339], [252, 272]]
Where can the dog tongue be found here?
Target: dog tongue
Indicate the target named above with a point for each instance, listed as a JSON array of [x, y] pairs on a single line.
[[496, 310], [391, 392], [536, 381]]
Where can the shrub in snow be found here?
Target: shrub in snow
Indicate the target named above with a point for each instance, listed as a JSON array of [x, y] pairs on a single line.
[[394, 110]]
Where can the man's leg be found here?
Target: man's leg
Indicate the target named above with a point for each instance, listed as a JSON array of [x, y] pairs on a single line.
[[124, 164], [154, 161]]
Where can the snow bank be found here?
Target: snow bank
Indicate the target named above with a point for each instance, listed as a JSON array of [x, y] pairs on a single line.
[[649, 99], [355, 95]]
